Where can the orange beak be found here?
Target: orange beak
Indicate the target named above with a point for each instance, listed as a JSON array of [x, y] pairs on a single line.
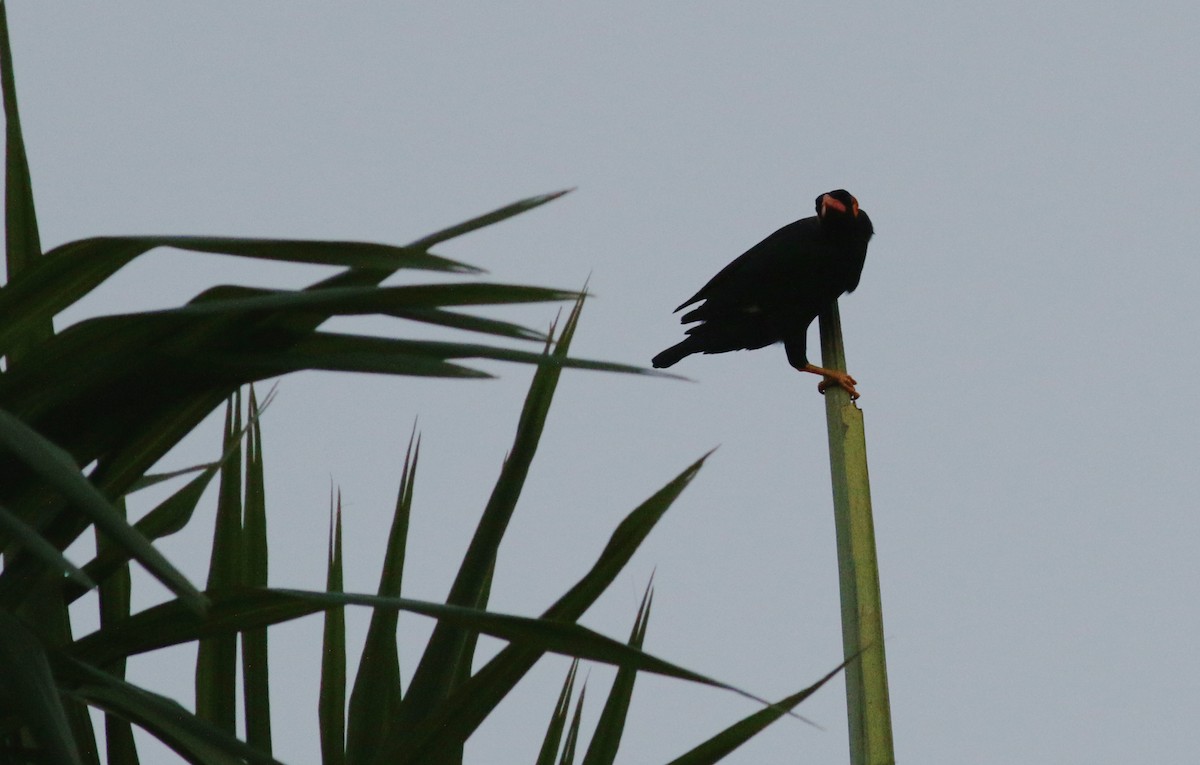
[[829, 203]]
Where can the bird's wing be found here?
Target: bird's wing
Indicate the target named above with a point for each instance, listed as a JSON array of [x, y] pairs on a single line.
[[758, 267]]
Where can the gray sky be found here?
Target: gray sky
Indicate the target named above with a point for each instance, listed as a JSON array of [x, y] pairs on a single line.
[[1024, 334]]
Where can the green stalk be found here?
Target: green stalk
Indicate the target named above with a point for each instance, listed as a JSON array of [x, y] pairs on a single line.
[[858, 570]]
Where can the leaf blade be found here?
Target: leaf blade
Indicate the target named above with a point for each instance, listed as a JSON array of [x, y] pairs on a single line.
[[72, 270], [723, 743], [29, 690], [477, 697], [602, 750], [216, 656], [191, 737], [558, 719], [445, 653], [57, 469], [39, 547], [256, 684], [377, 692], [20, 219], [331, 705]]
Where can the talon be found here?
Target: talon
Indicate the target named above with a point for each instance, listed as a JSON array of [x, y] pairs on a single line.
[[843, 381], [833, 377]]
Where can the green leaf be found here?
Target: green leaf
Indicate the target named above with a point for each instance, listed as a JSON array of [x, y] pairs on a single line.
[[607, 737], [45, 613], [358, 277], [147, 379], [361, 277], [39, 547], [171, 624], [366, 255], [117, 378], [419, 303], [29, 693], [341, 353], [256, 689], [488, 219], [168, 517], [208, 469], [23, 248], [153, 479], [111, 356], [558, 720], [216, 659], [72, 270], [568, 752], [377, 695], [331, 706], [471, 703], [720, 745], [355, 301], [155, 435], [173, 513], [56, 468], [189, 736], [470, 323], [446, 650], [363, 353], [20, 220], [115, 597]]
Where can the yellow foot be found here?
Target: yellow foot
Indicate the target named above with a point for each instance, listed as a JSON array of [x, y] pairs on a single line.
[[840, 379]]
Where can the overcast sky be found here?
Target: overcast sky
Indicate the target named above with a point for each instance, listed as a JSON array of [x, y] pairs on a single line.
[[1024, 335]]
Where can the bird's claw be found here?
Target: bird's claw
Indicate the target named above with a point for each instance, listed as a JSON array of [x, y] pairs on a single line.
[[842, 380]]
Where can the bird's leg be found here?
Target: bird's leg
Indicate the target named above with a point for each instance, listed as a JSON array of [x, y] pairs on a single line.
[[795, 345], [833, 377]]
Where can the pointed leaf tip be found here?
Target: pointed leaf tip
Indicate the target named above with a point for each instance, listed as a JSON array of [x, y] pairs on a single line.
[[544, 198]]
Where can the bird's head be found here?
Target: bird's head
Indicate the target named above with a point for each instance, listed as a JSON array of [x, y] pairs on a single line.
[[837, 205], [839, 213]]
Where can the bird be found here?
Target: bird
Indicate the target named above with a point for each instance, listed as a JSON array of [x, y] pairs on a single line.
[[773, 291]]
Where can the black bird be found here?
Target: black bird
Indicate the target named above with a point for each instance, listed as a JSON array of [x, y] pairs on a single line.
[[775, 289]]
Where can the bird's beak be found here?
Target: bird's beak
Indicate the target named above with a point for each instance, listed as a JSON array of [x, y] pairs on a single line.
[[829, 203]]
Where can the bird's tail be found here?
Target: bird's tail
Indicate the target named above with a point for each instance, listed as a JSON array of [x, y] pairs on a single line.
[[672, 355]]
